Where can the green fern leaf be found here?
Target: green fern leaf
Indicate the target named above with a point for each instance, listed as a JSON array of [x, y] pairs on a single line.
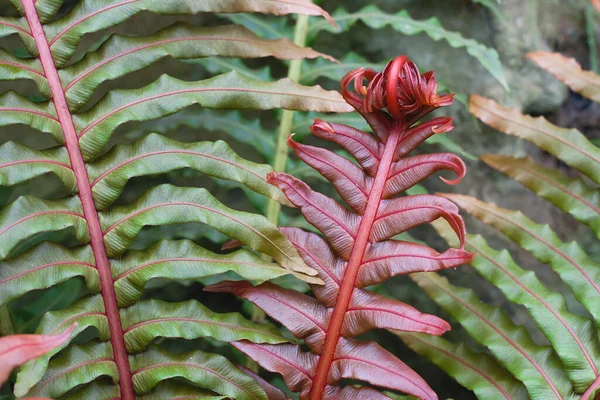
[[167, 390], [41, 117], [87, 312], [536, 366], [156, 154], [47, 264], [167, 204], [169, 95], [29, 215], [76, 366], [90, 16], [402, 22], [132, 272], [21, 164], [102, 388], [574, 266], [573, 337], [149, 319], [569, 194], [15, 68], [92, 240], [210, 371], [121, 55], [19, 26], [475, 371]]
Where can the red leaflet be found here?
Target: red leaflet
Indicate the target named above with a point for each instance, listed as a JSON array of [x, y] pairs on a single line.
[[357, 249], [16, 350]]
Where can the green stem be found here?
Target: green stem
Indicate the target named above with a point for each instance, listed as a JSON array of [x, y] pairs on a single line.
[[287, 118], [281, 152], [590, 12]]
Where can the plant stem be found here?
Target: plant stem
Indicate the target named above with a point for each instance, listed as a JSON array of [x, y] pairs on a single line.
[[287, 118], [590, 12], [281, 152], [87, 201]]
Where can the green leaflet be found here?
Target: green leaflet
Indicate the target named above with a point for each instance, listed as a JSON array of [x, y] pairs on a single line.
[[573, 337], [569, 145], [265, 27], [573, 265], [30, 215], [12, 68], [571, 195], [148, 319], [155, 154], [91, 16], [20, 164], [40, 116], [46, 265], [26, 318], [168, 95], [536, 366], [219, 65], [19, 26], [475, 371], [123, 54], [172, 390], [99, 389], [87, 312], [210, 371], [184, 259], [166, 204], [402, 22], [232, 123], [79, 364]]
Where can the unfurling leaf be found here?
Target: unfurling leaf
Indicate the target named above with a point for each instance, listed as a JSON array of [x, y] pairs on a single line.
[[357, 249]]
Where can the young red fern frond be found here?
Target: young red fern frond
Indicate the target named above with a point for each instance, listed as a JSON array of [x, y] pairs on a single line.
[[358, 248]]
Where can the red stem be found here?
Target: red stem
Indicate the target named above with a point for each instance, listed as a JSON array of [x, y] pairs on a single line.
[[588, 393], [356, 259], [87, 201]]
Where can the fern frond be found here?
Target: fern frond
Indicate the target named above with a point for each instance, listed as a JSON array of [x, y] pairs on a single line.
[[475, 371], [571, 195], [357, 249], [574, 266], [118, 356], [536, 366], [168, 95], [121, 55], [573, 338]]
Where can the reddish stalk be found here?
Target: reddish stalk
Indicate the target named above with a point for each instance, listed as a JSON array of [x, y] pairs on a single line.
[[588, 393], [360, 245], [87, 201]]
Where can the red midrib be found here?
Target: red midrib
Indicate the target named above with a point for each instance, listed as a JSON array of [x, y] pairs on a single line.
[[354, 263], [85, 194]]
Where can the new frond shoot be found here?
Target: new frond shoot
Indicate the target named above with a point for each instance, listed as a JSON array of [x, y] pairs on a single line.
[[357, 247]]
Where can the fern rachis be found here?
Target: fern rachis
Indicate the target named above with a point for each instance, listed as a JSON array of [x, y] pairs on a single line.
[[358, 250]]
